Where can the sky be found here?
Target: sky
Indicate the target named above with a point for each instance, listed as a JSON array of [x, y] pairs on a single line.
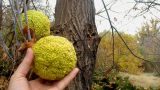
[[119, 13], [126, 22]]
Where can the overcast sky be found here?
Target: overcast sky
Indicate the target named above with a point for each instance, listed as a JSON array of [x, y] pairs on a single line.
[[123, 20]]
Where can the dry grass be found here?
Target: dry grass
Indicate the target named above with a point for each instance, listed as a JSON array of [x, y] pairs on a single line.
[[144, 80]]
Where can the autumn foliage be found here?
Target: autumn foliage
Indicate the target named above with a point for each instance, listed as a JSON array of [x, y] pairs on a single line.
[[124, 60]]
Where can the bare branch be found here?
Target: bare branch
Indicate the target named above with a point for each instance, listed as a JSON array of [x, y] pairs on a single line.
[[112, 27], [33, 5], [4, 46], [1, 14], [113, 46], [148, 2], [26, 18], [14, 14]]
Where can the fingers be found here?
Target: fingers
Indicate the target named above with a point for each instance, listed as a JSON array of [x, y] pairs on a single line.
[[64, 82], [60, 85], [25, 66]]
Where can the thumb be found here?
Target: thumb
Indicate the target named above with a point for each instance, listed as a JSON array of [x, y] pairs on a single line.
[[25, 66]]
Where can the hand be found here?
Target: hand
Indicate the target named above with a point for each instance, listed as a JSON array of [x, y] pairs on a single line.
[[19, 81]]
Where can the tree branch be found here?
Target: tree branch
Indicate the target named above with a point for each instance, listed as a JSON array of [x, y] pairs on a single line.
[[148, 2]]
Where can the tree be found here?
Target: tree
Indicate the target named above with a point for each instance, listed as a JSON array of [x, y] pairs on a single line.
[[148, 37], [124, 60], [75, 20]]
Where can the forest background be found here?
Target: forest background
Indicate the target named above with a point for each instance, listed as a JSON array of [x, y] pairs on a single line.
[[127, 41]]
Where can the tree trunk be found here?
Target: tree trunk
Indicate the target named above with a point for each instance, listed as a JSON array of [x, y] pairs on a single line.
[[75, 20]]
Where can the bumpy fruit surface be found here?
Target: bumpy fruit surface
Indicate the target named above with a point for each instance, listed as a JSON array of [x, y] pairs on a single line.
[[55, 57], [38, 22]]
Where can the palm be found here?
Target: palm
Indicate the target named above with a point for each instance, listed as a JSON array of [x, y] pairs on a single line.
[[19, 81]]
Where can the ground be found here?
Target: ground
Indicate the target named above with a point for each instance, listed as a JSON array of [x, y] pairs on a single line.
[[145, 80]]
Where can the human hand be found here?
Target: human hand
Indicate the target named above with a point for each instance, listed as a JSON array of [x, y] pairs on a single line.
[[19, 81]]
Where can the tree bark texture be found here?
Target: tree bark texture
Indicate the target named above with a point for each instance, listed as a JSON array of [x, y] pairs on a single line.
[[75, 20]]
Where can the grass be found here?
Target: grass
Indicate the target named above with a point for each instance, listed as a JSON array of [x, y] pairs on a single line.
[[145, 80]]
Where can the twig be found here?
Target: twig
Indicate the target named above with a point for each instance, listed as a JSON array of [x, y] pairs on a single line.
[[14, 26], [14, 14], [112, 31], [112, 27], [1, 12], [131, 50], [125, 42], [18, 14], [33, 5], [149, 2], [102, 16], [130, 10], [26, 19], [4, 46]]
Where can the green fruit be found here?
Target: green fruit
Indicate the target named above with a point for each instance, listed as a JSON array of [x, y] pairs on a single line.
[[38, 22], [55, 57]]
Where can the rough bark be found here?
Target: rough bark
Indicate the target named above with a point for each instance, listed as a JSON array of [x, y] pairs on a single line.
[[75, 20]]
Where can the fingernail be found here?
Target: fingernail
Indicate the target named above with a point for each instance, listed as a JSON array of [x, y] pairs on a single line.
[[77, 69]]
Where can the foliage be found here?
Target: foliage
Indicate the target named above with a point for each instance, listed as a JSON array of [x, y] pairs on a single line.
[[124, 60], [112, 82], [3, 83], [148, 38], [117, 81], [5, 68]]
